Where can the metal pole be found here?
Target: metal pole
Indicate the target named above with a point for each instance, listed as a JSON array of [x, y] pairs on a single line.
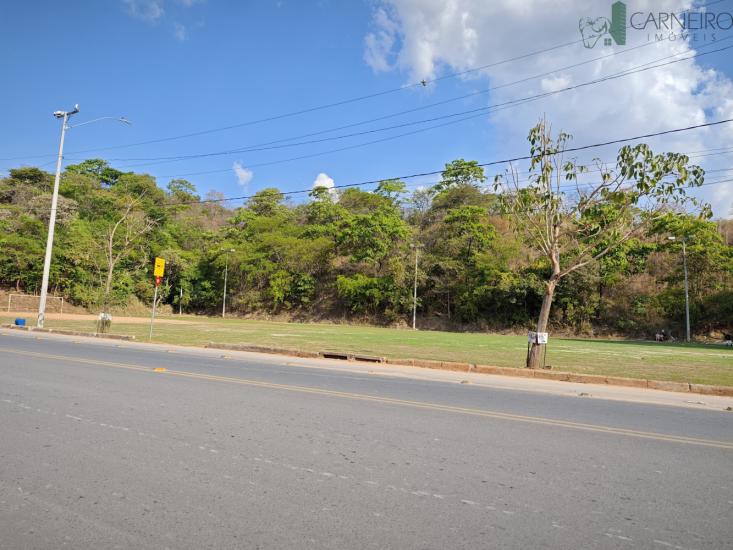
[[687, 293], [152, 317], [414, 293], [51, 227], [180, 303], [224, 302]]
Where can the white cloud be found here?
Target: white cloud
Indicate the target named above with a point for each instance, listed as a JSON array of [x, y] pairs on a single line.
[[179, 31], [244, 176], [427, 38], [378, 45], [325, 181], [147, 10], [554, 83]]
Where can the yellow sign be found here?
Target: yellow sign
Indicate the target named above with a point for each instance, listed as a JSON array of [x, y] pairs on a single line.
[[159, 267]]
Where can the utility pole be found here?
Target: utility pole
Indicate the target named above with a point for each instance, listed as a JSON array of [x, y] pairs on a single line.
[[417, 248], [155, 303], [687, 287], [64, 115], [687, 293], [226, 271]]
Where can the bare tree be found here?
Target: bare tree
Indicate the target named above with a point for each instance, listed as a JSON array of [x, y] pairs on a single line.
[[121, 238], [573, 224]]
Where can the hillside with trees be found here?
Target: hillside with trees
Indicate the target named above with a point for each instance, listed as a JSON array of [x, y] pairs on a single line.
[[347, 255]]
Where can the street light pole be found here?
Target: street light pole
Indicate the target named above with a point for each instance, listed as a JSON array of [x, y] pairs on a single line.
[[687, 287], [52, 219], [416, 247], [226, 272], [64, 115], [687, 293]]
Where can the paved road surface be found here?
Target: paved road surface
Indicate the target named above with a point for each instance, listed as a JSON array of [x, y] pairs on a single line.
[[99, 451]]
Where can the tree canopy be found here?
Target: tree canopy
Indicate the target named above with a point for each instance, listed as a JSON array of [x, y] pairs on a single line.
[[598, 234]]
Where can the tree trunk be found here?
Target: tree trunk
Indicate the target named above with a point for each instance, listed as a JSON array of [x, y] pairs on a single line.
[[534, 357]]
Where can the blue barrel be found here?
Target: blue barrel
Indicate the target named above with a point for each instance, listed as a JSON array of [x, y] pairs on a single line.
[[19, 322]]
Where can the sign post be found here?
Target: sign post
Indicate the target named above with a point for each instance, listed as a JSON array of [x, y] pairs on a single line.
[[158, 272]]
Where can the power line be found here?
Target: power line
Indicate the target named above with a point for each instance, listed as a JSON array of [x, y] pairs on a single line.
[[421, 83], [474, 114], [689, 154], [484, 164], [253, 147], [303, 191]]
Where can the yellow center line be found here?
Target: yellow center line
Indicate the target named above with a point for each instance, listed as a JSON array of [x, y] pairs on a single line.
[[394, 401]]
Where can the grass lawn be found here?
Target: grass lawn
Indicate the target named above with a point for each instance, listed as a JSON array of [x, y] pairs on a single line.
[[696, 363]]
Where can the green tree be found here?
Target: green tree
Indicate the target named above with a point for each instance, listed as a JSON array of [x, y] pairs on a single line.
[[461, 173], [567, 225], [97, 168]]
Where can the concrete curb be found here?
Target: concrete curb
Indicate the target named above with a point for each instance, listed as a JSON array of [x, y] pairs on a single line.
[[559, 376], [263, 349], [72, 332], [662, 385]]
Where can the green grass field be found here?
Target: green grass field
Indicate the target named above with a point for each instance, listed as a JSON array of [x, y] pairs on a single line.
[[696, 363]]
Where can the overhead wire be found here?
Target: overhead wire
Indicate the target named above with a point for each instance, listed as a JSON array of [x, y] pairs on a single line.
[[329, 105], [482, 112], [407, 111], [473, 113], [483, 164]]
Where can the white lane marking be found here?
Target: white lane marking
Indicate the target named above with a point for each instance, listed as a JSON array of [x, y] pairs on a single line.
[[620, 537], [669, 545], [74, 418], [404, 490]]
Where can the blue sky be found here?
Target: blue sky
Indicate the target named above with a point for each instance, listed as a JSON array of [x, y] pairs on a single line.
[[180, 66]]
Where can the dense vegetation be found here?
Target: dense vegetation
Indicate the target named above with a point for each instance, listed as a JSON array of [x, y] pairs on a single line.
[[348, 254]]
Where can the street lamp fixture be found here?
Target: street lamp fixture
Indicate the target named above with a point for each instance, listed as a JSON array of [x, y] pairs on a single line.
[[121, 119], [65, 115], [687, 291]]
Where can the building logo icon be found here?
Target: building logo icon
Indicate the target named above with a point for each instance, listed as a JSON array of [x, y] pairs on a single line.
[[613, 30]]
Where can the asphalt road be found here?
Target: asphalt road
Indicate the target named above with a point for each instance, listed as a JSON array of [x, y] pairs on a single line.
[[97, 450]]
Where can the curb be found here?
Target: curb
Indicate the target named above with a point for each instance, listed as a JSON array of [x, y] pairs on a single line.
[[559, 376], [263, 349], [71, 332]]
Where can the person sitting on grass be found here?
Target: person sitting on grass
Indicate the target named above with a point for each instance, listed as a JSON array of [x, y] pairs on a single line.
[[728, 340]]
